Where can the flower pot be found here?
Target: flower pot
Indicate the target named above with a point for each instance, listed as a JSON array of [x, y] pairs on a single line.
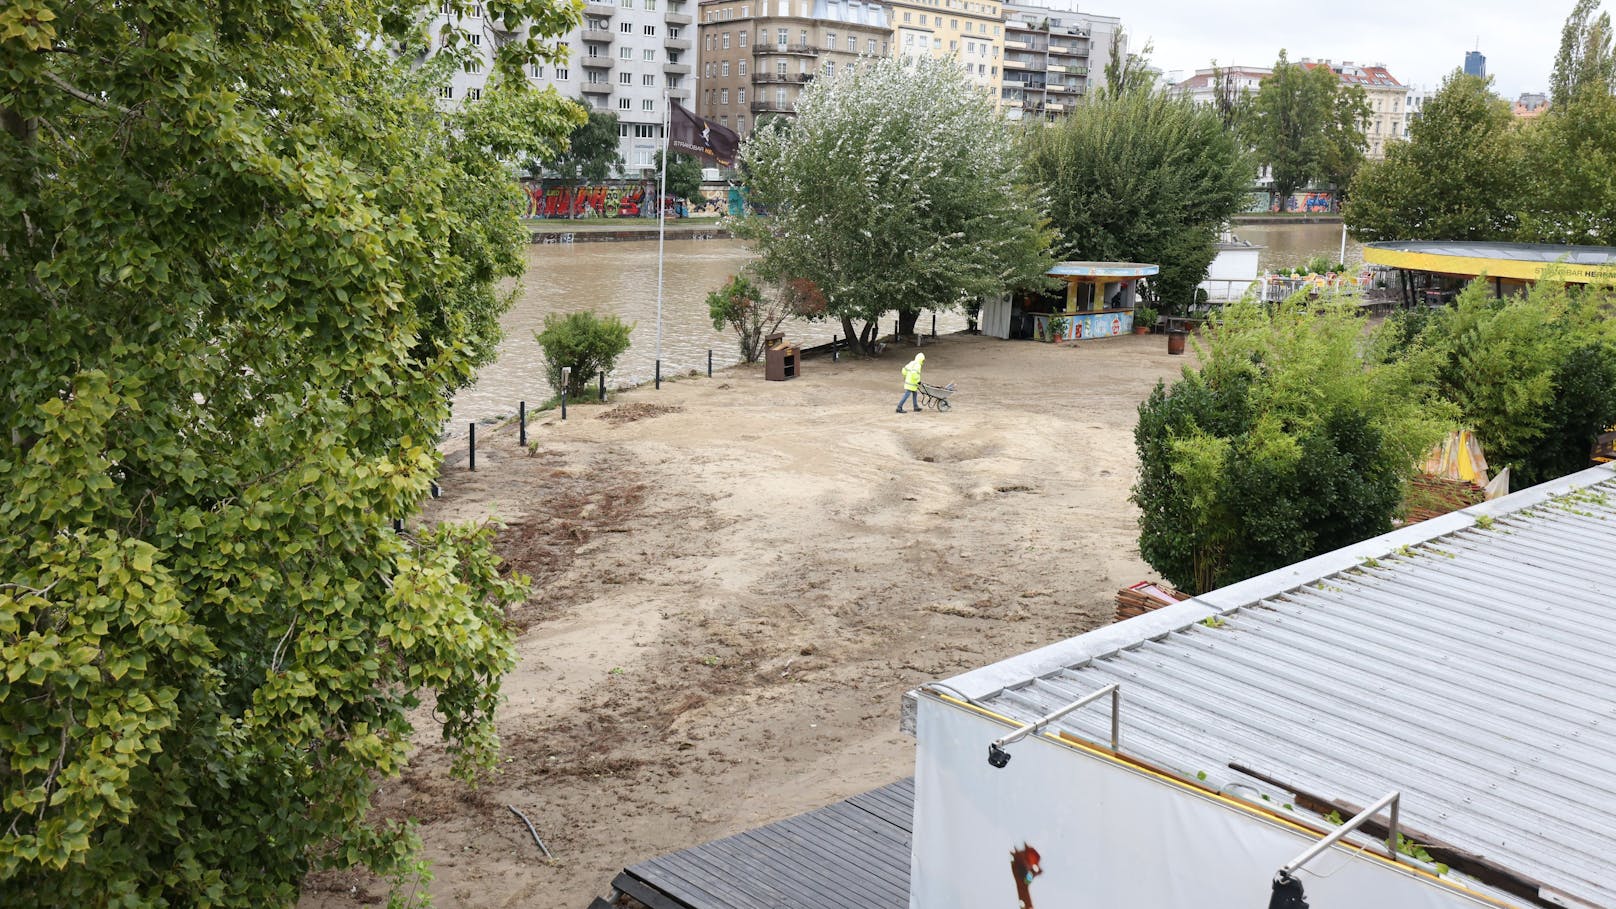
[[1141, 329], [1175, 340]]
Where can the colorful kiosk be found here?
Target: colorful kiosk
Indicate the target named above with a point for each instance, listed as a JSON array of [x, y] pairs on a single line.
[[1433, 272]]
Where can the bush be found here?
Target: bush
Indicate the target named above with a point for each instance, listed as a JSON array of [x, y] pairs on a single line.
[[588, 343], [1145, 317], [1294, 439], [742, 305]]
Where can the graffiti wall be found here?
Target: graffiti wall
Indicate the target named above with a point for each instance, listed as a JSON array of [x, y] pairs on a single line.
[[626, 200], [1318, 203], [1082, 326]]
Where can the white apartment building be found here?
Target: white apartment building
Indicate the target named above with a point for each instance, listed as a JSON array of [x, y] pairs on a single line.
[[1054, 55], [620, 59]]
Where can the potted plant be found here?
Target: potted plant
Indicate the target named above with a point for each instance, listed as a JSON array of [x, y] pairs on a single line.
[[1057, 328], [1144, 320]]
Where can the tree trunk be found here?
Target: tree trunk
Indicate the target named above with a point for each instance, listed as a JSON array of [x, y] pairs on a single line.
[[906, 321]]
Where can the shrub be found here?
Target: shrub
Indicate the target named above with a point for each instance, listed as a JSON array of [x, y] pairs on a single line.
[[588, 343], [742, 305], [1145, 317]]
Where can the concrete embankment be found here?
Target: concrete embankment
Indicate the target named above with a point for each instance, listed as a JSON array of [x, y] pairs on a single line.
[[545, 232]]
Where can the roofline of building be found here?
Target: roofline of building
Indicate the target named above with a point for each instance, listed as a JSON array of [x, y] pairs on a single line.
[[989, 681]]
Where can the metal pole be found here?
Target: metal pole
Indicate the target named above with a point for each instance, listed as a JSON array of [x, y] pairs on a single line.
[[521, 418], [566, 380], [473, 446], [934, 323], [603, 386], [437, 491], [1343, 258], [662, 231], [709, 362], [1354, 823], [835, 355], [1084, 701]]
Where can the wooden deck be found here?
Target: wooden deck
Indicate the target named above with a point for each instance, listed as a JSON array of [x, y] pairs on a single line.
[[850, 855]]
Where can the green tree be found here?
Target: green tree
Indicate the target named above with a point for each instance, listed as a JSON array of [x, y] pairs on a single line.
[[1127, 72], [1302, 127], [1292, 440], [1585, 62], [1141, 177], [1233, 104], [1458, 177], [246, 259], [684, 176], [898, 187], [584, 343], [591, 152], [1569, 157], [752, 314]]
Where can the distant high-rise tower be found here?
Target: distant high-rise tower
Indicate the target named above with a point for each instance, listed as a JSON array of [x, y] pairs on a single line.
[[1475, 64]]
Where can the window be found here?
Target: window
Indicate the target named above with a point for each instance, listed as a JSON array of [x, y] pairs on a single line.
[[740, 124], [780, 67], [869, 47], [784, 40], [622, 104], [646, 131], [723, 96], [649, 55], [953, 24], [780, 98], [625, 78], [648, 104], [936, 44], [650, 4], [906, 17], [650, 31], [726, 41], [537, 71], [622, 130], [830, 40], [476, 39], [562, 74], [446, 91], [724, 119], [723, 69], [741, 67], [742, 38], [644, 157], [937, 21], [830, 69], [740, 96], [625, 53], [473, 66], [648, 79], [476, 11], [707, 70], [628, 4], [803, 35], [852, 44], [626, 28], [971, 26], [953, 45], [707, 42]]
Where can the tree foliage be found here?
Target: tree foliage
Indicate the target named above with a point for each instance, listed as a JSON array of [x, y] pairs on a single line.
[[1141, 177], [1293, 439], [584, 343], [1567, 188], [897, 187], [1307, 126], [1585, 63], [684, 176], [1457, 178], [591, 152], [1532, 376], [246, 259]]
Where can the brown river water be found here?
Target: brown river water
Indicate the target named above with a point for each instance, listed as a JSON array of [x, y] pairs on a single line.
[[621, 279]]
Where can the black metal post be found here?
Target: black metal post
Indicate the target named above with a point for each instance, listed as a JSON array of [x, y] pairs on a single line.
[[934, 323], [709, 362], [835, 353], [895, 324], [659, 375], [473, 446], [563, 402], [437, 491], [521, 422], [603, 386], [398, 525]]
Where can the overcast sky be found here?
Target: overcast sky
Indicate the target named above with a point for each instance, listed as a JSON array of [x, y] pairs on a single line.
[[1420, 41]]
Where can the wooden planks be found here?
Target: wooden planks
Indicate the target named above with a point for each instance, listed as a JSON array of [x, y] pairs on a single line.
[[850, 855]]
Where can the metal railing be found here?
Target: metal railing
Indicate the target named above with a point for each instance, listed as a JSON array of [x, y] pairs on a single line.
[[998, 757], [1390, 800]]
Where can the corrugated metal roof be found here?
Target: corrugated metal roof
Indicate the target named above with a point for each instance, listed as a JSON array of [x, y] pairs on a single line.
[[1469, 662]]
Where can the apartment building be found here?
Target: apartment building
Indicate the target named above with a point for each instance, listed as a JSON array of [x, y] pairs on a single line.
[[756, 56], [1387, 101], [620, 59], [970, 31], [1053, 56], [1236, 80]]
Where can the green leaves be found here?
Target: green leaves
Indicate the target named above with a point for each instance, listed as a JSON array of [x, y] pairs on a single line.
[[247, 260]]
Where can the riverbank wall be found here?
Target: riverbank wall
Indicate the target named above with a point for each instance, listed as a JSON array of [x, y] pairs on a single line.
[[1278, 218], [547, 233]]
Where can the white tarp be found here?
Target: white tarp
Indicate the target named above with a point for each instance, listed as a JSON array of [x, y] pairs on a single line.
[[1110, 836]]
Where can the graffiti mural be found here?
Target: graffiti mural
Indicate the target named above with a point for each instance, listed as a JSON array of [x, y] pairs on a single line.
[[605, 200], [1318, 203]]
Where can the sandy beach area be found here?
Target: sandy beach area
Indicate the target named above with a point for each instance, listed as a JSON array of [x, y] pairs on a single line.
[[735, 580]]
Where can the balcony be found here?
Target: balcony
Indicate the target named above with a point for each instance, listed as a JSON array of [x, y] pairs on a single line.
[[1069, 50], [679, 94], [803, 50], [596, 62], [603, 10], [604, 36], [596, 88], [781, 78], [677, 43], [1017, 43], [1012, 63], [677, 18], [1063, 87], [676, 69], [779, 107]]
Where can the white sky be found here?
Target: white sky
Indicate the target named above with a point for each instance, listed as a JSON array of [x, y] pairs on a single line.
[[1420, 41]]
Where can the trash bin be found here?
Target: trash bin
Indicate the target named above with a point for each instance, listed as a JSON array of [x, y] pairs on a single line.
[[1175, 340], [781, 361]]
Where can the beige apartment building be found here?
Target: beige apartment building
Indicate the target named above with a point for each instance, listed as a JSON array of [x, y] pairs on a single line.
[[970, 31], [757, 55], [1387, 101]]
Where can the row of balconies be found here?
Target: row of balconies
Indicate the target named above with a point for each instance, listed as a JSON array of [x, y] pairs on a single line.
[[607, 10], [806, 50], [606, 36], [780, 78], [606, 88], [773, 105]]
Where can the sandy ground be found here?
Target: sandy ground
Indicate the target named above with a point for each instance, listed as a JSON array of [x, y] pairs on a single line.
[[736, 580]]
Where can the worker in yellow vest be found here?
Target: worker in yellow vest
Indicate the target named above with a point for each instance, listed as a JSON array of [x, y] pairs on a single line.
[[911, 382]]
